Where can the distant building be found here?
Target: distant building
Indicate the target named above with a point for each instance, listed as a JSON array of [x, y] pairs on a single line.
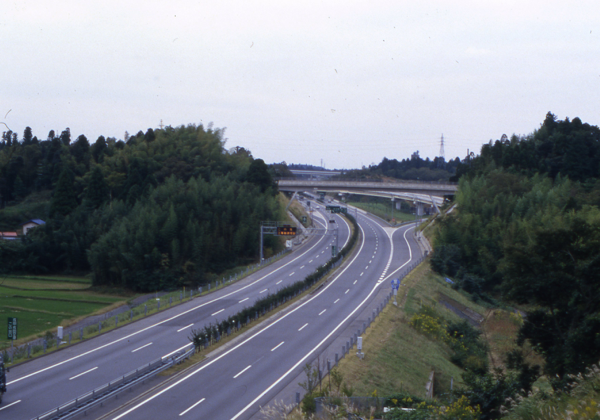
[[8, 236], [30, 224]]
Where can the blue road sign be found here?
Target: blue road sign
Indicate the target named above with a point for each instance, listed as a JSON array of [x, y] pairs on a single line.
[[395, 284]]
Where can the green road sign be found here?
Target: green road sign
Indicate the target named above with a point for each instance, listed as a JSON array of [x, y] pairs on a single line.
[[12, 328], [333, 251], [337, 209]]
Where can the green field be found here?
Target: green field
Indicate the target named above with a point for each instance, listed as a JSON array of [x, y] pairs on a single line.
[[43, 303], [384, 211]]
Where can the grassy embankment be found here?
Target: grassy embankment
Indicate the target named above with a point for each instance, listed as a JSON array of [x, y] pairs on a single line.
[[298, 211], [397, 357], [384, 211]]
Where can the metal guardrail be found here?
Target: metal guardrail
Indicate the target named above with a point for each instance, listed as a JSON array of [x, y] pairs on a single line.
[[97, 396]]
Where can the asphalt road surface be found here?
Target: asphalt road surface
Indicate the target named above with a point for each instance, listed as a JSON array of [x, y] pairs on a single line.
[[235, 383], [46, 382]]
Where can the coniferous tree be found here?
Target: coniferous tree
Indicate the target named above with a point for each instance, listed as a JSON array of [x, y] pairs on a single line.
[[64, 199], [96, 192]]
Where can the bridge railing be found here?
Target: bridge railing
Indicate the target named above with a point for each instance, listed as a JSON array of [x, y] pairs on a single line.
[[362, 180]]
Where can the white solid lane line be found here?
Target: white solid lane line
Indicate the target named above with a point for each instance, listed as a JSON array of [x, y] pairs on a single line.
[[218, 312], [187, 326], [139, 348], [83, 373], [302, 327], [6, 406], [322, 312], [275, 348], [242, 371], [243, 300], [183, 412]]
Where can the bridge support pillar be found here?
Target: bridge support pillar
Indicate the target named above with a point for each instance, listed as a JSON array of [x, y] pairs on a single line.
[[420, 210]]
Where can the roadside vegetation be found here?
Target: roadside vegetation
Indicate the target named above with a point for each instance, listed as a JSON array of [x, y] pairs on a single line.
[[520, 248], [41, 303], [164, 209], [382, 208]]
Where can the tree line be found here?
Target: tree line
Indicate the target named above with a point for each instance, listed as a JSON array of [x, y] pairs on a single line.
[[526, 230], [159, 209], [414, 168]]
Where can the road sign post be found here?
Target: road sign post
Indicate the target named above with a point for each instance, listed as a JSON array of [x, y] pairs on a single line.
[[395, 286], [12, 330], [277, 229]]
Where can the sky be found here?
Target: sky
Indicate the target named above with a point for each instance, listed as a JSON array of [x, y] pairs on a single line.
[[339, 83]]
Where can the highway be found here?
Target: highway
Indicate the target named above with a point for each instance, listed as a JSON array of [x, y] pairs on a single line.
[[46, 382], [235, 383]]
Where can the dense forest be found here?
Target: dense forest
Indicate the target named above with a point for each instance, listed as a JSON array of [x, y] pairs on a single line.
[[526, 231], [158, 209], [415, 168]]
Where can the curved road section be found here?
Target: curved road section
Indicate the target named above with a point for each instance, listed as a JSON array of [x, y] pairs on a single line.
[[238, 381], [47, 382]]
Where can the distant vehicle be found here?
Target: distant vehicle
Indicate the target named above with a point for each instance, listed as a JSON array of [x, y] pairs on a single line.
[[2, 380]]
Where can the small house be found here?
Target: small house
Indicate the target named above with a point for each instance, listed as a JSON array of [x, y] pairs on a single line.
[[30, 224]]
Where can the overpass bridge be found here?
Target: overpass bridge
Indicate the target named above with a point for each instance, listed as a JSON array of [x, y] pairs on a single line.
[[356, 187], [415, 191]]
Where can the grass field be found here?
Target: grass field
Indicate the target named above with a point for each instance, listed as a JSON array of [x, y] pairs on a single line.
[[384, 211], [43, 303]]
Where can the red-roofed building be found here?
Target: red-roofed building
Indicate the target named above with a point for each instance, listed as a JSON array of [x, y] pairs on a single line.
[[9, 236]]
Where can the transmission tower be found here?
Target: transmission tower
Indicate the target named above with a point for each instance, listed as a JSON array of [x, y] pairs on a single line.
[[442, 159]]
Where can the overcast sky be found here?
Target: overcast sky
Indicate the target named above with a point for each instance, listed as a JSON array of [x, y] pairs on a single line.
[[348, 82]]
